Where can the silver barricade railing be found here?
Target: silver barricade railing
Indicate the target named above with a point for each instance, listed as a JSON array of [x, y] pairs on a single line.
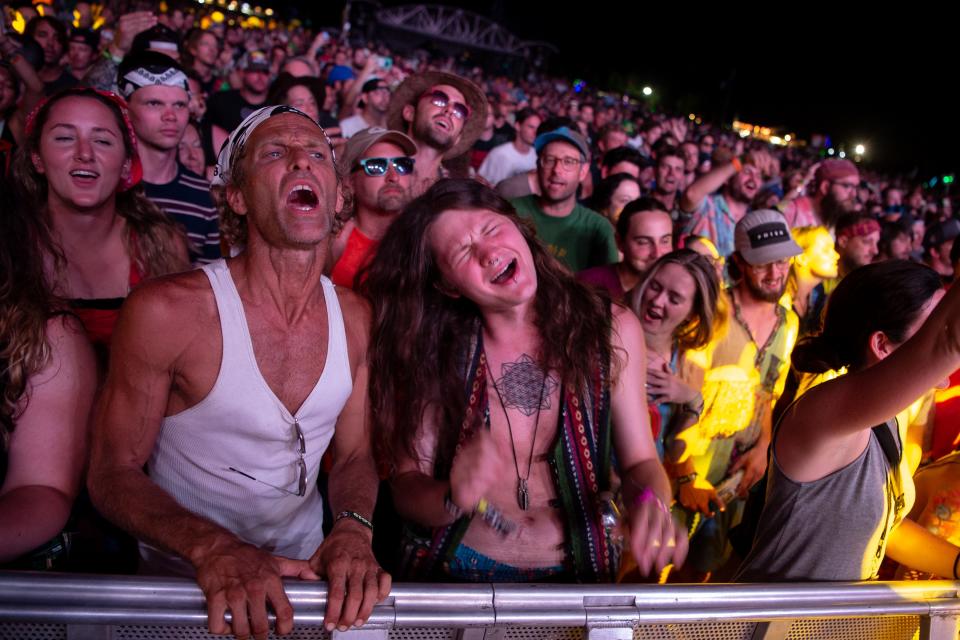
[[46, 606]]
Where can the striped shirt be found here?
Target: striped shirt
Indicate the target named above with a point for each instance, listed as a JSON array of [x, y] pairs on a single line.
[[187, 200]]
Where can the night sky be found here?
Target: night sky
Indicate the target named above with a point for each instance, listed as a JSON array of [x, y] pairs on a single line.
[[887, 81]]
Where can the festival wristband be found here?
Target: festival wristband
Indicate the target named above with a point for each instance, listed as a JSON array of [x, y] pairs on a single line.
[[647, 495], [494, 517], [355, 516], [687, 479], [737, 164]]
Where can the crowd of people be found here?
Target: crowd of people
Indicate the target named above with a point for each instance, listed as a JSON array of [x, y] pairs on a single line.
[[275, 303]]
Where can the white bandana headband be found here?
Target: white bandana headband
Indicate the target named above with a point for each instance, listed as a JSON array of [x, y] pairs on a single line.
[[232, 148], [142, 77]]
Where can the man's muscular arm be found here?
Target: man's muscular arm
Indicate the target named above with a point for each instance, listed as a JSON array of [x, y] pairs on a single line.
[[153, 332], [355, 580]]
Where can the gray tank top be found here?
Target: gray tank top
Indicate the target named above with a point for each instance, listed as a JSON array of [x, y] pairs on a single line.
[[831, 529]]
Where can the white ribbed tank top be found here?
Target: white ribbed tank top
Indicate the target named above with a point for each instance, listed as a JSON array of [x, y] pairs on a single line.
[[242, 424]]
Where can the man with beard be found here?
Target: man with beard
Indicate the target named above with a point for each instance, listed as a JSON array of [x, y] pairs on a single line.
[[858, 236], [377, 166], [577, 236], [721, 197], [834, 193], [444, 114], [938, 245], [671, 167], [744, 370]]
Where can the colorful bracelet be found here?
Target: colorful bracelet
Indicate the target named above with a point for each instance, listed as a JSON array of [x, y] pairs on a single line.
[[355, 516], [737, 164], [647, 495]]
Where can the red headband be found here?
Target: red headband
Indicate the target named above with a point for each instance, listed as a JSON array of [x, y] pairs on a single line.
[[136, 168], [862, 228]]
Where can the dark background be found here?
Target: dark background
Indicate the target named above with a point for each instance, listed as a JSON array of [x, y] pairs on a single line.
[[884, 77]]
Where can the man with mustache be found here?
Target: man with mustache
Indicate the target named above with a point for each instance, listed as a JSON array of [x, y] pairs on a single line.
[[834, 194], [744, 370], [378, 167], [579, 237], [721, 197]]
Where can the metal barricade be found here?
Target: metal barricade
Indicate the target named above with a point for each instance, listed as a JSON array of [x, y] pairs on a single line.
[[44, 606]]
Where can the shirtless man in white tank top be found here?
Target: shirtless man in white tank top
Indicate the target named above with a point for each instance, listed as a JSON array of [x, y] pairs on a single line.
[[172, 363]]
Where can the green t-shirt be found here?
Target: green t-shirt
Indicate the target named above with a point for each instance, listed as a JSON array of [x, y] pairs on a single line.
[[580, 240]]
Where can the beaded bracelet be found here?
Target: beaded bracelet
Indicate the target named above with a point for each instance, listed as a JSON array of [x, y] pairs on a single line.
[[355, 516]]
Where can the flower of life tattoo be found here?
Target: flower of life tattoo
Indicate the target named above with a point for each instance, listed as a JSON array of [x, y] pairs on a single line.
[[523, 387]]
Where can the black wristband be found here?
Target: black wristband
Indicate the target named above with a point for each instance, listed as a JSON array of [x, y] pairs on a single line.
[[356, 516]]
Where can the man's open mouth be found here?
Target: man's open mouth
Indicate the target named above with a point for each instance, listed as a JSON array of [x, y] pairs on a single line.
[[302, 197]]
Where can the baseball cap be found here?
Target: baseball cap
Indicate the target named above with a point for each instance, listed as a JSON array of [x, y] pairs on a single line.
[[338, 73], [254, 61], [941, 232], [88, 37], [373, 84], [157, 38], [763, 236], [564, 134], [359, 142]]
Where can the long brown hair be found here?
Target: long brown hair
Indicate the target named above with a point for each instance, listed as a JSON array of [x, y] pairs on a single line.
[[421, 336], [26, 304], [154, 241]]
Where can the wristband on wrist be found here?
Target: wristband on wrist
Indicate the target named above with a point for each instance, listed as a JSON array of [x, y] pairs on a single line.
[[450, 506], [647, 495], [687, 479], [354, 516], [737, 164]]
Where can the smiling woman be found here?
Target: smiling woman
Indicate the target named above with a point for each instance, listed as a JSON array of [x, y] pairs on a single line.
[[79, 165]]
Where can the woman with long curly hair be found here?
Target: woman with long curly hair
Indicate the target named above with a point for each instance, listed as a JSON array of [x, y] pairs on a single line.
[[499, 388], [78, 166], [47, 381]]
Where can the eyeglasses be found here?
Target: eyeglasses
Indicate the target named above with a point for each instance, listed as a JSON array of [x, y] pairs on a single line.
[[567, 163], [440, 99], [375, 167], [301, 464]]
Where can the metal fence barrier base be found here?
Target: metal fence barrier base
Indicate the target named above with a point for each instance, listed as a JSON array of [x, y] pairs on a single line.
[[42, 606]]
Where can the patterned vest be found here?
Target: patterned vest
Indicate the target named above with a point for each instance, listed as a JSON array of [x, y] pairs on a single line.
[[580, 464]]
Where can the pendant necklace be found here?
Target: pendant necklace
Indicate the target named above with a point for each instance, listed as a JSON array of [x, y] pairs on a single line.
[[523, 491]]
